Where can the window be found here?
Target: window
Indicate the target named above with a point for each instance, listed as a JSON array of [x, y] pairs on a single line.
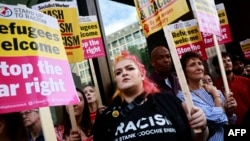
[[114, 44], [137, 34], [129, 38], [122, 41]]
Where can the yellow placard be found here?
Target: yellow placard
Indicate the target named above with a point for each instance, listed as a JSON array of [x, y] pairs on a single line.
[[222, 14], [91, 37], [155, 14], [245, 46], [90, 30], [26, 33], [186, 36], [186, 32], [67, 16]]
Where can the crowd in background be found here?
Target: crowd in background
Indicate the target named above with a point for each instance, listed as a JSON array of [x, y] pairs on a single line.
[[149, 102]]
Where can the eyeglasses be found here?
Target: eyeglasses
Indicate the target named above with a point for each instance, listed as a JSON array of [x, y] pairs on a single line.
[[27, 113]]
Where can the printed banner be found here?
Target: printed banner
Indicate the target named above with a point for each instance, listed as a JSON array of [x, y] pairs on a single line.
[[34, 70], [207, 16], [67, 15], [226, 36], [91, 38], [187, 37], [155, 14], [245, 46]]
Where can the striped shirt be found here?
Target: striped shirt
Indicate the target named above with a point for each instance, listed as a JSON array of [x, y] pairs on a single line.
[[216, 117]]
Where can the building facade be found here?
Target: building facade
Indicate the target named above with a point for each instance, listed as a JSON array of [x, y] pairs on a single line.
[[128, 37]]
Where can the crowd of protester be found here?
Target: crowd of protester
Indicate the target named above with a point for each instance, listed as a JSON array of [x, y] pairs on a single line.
[[149, 106]]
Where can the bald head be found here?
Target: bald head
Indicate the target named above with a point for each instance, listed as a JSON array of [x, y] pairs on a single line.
[[161, 59], [156, 51]]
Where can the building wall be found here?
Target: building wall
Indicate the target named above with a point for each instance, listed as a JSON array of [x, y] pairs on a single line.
[[129, 36]]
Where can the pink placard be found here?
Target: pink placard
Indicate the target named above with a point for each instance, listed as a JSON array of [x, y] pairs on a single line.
[[93, 47], [226, 37], [206, 15], [31, 82], [34, 69], [197, 47], [208, 24]]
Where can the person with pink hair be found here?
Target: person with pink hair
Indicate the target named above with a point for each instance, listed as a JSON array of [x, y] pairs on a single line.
[[139, 112]]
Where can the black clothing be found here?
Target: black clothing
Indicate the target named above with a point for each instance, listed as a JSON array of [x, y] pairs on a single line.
[[160, 81], [161, 117]]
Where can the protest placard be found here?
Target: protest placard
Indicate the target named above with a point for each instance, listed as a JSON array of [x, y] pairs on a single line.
[[67, 15], [34, 69], [187, 37], [226, 36], [245, 47], [206, 14], [91, 38], [155, 14]]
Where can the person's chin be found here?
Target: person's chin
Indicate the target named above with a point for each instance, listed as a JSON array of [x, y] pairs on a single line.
[[126, 87], [168, 68], [92, 101], [228, 71], [27, 124], [77, 114]]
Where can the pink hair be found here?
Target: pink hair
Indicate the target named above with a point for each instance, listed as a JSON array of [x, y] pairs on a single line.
[[149, 86]]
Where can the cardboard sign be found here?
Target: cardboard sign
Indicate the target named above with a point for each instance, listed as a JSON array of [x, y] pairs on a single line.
[[226, 36], [34, 69], [67, 15], [206, 15], [187, 37], [245, 47], [155, 14], [91, 37]]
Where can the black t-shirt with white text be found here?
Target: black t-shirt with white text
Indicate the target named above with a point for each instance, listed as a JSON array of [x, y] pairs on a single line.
[[160, 118]]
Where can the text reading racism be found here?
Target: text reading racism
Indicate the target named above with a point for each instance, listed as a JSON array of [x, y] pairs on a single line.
[[70, 41]]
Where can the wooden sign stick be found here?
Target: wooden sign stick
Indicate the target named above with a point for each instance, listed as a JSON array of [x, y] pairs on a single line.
[[221, 65], [47, 124], [72, 117], [179, 71], [95, 83]]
